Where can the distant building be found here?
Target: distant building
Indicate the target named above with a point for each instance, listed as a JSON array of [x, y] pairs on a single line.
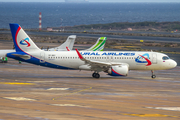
[[129, 29], [76, 1], [49, 29]]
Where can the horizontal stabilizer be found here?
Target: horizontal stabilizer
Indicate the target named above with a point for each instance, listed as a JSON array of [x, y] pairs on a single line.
[[25, 57]]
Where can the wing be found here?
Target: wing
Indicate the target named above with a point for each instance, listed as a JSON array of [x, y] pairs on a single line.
[[97, 65]]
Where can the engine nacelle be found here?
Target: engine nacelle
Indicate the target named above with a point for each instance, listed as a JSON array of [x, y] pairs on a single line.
[[120, 70]]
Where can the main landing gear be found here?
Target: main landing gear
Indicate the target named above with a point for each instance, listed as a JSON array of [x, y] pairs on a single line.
[[153, 76], [95, 75]]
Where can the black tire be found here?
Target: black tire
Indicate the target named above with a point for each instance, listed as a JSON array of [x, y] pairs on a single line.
[[153, 76], [97, 75], [93, 75]]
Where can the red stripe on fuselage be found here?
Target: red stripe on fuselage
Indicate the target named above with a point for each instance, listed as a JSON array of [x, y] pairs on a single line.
[[149, 62]]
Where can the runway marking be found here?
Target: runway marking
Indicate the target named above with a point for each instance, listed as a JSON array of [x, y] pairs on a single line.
[[67, 105], [166, 108], [72, 93], [16, 83], [149, 115], [19, 98], [58, 89]]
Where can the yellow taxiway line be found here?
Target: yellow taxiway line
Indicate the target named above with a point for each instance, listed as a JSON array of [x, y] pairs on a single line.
[[16, 83]]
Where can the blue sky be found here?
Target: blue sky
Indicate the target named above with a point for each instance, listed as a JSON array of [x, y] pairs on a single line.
[[92, 0]]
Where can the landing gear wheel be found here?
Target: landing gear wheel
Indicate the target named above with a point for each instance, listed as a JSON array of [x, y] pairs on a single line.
[[93, 75], [153, 76], [96, 75]]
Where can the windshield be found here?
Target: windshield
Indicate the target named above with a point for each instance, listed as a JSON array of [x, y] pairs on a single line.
[[165, 58]]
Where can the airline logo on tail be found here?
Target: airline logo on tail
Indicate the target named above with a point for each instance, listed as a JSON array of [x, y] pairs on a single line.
[[100, 45], [25, 42], [140, 59]]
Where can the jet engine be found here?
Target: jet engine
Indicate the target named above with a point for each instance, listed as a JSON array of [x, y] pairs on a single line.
[[120, 70]]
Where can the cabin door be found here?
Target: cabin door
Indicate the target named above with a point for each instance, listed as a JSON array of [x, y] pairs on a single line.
[[154, 58]]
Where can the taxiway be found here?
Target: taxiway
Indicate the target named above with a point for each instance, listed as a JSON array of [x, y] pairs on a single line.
[[38, 93]]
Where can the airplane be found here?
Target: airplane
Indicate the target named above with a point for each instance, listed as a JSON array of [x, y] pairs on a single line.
[[98, 46], [68, 43], [115, 63]]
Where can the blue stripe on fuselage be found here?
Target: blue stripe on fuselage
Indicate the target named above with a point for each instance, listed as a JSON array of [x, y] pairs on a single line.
[[36, 61]]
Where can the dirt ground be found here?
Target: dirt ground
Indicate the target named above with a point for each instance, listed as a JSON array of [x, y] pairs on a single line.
[[30, 92]]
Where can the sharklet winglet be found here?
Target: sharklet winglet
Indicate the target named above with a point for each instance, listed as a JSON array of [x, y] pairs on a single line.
[[67, 49], [79, 54]]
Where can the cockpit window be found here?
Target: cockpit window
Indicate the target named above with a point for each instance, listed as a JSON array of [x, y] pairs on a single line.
[[165, 58]]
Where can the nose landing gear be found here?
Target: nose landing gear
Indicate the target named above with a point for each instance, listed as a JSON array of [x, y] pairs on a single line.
[[153, 76], [95, 75]]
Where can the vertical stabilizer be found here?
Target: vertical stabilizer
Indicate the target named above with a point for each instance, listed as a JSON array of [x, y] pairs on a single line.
[[68, 43], [99, 45], [22, 41]]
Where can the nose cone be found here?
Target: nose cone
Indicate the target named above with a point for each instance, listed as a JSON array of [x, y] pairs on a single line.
[[173, 64]]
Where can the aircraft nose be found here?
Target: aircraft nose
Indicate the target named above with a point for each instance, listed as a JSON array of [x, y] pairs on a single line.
[[174, 63]]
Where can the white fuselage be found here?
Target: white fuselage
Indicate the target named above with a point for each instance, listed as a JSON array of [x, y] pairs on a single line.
[[4, 52], [70, 59]]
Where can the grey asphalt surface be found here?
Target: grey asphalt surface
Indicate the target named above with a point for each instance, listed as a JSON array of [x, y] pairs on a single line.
[[31, 92]]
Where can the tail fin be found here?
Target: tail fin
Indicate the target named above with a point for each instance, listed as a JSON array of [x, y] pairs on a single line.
[[99, 45], [68, 43], [22, 41]]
